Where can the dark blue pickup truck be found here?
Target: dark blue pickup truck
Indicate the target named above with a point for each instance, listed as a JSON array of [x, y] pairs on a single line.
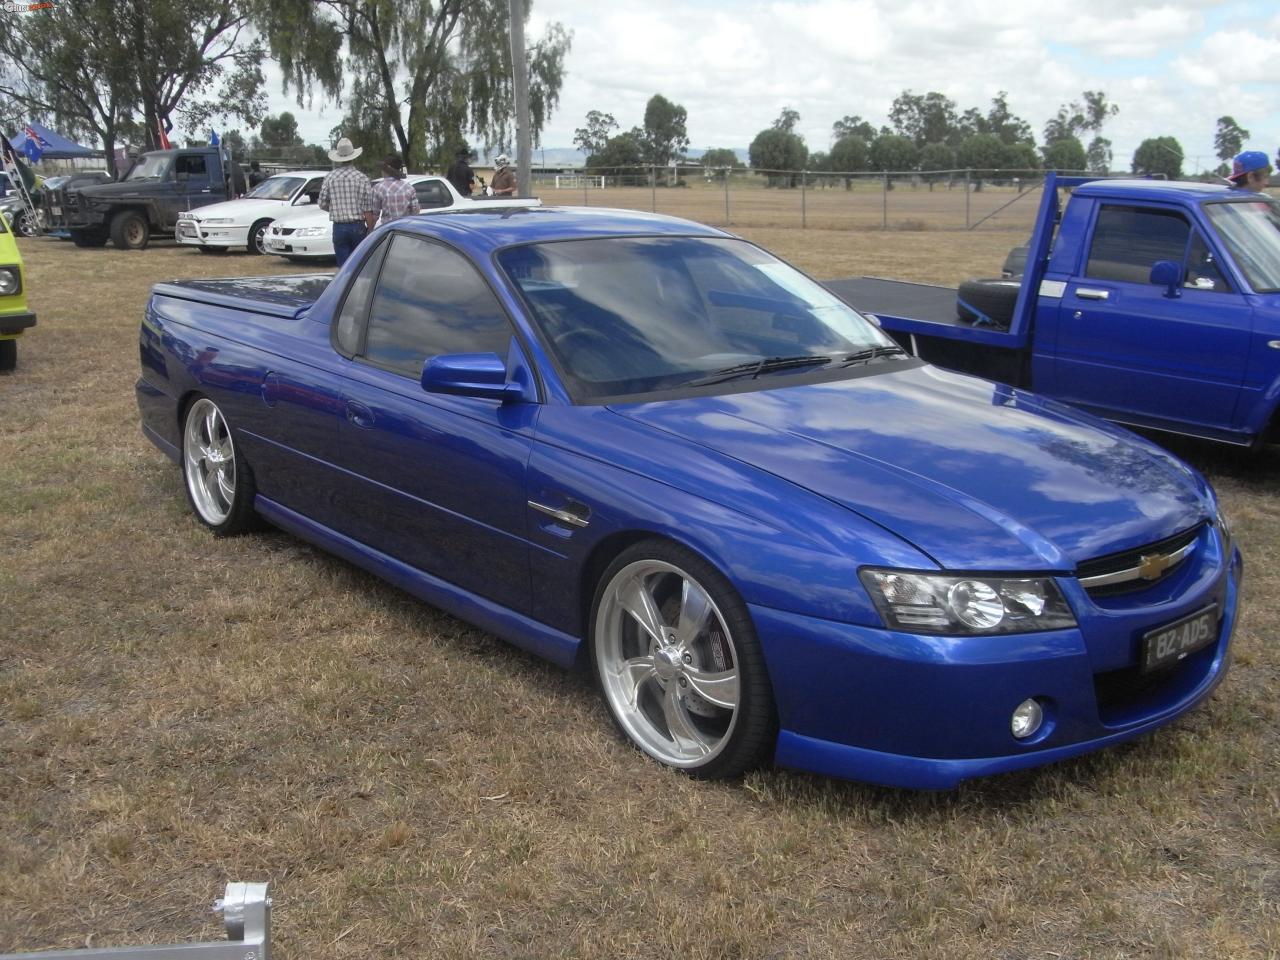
[[1150, 303]]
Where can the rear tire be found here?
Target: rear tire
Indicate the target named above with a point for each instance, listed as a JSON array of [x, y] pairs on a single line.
[[8, 355], [218, 481], [130, 230], [992, 299]]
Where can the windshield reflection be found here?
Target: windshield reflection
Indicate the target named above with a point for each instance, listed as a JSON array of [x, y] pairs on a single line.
[[276, 188], [627, 316], [1251, 231]]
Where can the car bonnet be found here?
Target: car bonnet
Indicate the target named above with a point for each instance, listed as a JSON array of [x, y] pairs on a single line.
[[977, 475]]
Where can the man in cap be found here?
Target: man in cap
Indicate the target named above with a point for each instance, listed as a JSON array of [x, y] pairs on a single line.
[[348, 196], [460, 174], [504, 178], [1250, 171], [393, 197]]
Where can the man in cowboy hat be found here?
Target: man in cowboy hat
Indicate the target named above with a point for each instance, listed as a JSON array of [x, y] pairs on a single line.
[[504, 179], [348, 196]]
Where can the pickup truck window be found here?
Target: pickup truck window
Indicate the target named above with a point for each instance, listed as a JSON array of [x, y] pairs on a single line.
[[1128, 240], [1251, 232], [152, 166], [193, 167], [430, 300]]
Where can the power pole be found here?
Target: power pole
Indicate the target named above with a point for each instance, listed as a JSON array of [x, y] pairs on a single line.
[[520, 76]]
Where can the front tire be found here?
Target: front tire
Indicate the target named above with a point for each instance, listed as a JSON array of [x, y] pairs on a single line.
[[23, 225], [679, 663], [219, 483], [130, 230], [258, 236]]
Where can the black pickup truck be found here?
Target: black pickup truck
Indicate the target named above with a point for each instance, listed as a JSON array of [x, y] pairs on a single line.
[[146, 202]]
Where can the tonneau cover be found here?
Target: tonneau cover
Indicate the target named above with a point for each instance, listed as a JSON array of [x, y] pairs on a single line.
[[283, 296]]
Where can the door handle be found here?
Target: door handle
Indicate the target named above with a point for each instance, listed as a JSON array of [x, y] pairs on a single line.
[[359, 414], [1274, 344], [1092, 293]]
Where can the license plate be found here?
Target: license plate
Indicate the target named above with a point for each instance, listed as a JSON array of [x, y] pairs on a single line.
[[1168, 644], [56, 211]]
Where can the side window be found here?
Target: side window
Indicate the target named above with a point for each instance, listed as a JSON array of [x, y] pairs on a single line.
[[356, 305], [432, 193], [192, 167], [312, 189], [430, 300], [1202, 268], [1128, 240]]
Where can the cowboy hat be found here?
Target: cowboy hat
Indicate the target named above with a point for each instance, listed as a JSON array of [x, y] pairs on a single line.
[[344, 152]]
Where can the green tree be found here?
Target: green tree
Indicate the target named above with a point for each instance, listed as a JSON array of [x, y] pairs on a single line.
[[721, 161], [927, 118], [1098, 155], [937, 156], [594, 136], [621, 154], [665, 136], [1019, 156], [776, 153], [437, 69], [1229, 138], [281, 131], [849, 154], [892, 152], [1159, 155], [787, 120], [852, 126], [1065, 153]]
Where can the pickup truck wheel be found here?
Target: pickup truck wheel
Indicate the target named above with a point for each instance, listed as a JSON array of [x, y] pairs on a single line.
[[130, 230], [23, 225], [8, 354], [983, 301], [258, 236], [679, 664], [219, 483]]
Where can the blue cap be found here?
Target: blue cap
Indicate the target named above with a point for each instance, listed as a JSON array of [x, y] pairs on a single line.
[[1248, 162]]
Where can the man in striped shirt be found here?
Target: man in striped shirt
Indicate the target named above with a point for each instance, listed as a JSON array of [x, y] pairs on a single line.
[[393, 197], [348, 197]]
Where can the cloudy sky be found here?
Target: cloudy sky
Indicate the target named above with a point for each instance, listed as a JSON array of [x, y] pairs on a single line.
[[1173, 68]]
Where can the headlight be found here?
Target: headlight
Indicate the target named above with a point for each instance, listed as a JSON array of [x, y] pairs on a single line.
[[213, 220], [972, 604], [10, 281], [1225, 529], [312, 232]]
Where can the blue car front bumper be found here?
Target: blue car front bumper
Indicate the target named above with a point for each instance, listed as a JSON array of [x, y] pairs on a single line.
[[927, 712]]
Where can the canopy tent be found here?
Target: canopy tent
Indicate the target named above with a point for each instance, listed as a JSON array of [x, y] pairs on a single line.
[[53, 146]]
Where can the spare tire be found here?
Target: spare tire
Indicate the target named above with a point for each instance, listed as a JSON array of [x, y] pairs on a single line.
[[988, 301]]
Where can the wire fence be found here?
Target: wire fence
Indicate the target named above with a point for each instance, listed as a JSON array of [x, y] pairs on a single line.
[[934, 200]]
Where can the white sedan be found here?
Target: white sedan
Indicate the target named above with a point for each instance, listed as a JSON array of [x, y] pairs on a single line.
[[243, 222], [308, 234]]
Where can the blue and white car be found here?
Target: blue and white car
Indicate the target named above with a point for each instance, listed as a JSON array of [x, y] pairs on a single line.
[[243, 222]]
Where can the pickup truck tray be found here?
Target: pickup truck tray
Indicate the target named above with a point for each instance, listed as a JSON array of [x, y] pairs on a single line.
[[899, 298]]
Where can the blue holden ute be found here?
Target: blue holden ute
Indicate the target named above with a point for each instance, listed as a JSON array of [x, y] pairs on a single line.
[[647, 446]]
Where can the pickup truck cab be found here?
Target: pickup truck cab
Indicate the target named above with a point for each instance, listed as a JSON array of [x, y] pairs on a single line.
[[1150, 303], [146, 202]]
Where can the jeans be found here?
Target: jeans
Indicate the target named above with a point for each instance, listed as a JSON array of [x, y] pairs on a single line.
[[346, 237]]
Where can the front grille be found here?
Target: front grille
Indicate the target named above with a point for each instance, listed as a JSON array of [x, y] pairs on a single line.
[[1114, 563], [284, 231]]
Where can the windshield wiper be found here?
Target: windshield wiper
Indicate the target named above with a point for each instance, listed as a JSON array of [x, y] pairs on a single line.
[[753, 368], [871, 353]]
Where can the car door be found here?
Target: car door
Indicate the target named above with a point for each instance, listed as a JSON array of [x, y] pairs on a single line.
[[435, 481], [194, 183], [1126, 349]]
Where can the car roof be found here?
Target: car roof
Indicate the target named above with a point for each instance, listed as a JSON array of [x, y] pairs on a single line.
[[482, 229], [1176, 190], [298, 173]]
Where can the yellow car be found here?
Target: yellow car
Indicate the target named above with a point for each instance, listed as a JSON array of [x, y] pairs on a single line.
[[14, 315]]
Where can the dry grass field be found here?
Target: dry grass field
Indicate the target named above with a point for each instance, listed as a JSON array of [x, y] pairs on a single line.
[[178, 711]]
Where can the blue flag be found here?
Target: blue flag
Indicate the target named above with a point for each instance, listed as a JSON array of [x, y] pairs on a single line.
[[213, 138]]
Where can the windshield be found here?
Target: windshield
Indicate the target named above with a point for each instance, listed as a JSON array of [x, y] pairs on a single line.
[[150, 166], [1251, 231], [629, 316], [276, 188]]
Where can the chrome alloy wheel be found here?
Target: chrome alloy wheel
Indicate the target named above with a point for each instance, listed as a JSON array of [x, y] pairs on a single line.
[[209, 462], [667, 663]]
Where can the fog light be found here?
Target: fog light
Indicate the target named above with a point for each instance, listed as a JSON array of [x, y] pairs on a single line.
[[1026, 719]]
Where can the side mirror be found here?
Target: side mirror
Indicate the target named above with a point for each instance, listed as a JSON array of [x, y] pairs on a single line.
[[302, 201], [470, 375], [1167, 274]]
